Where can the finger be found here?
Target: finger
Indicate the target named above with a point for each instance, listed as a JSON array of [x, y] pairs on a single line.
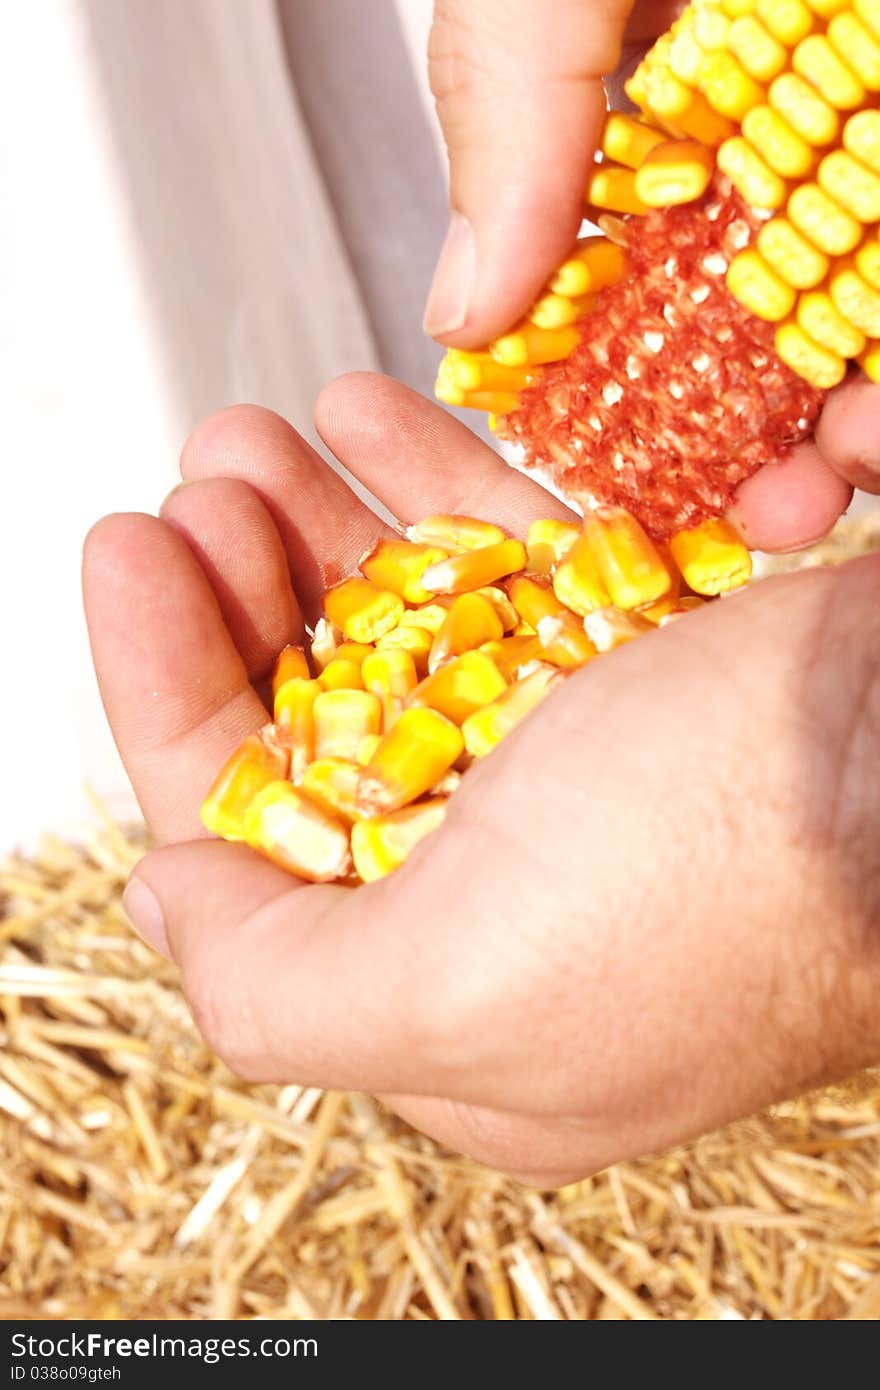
[[174, 686], [237, 545], [324, 527], [520, 99], [790, 504], [418, 460], [848, 433]]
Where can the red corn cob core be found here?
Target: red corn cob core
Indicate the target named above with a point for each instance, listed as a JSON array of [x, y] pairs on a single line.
[[675, 394]]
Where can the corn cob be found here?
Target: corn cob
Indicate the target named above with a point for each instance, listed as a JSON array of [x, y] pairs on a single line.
[[359, 762], [665, 362]]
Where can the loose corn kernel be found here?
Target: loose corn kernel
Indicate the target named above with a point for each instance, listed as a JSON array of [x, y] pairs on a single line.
[[752, 282], [788, 20], [857, 47], [502, 605], [461, 686], [759, 51], [627, 140], [392, 675], [512, 653], [333, 783], [727, 86], [808, 114], [342, 719], [292, 661], [325, 642], [821, 321], [675, 172], [609, 628], [594, 263], [366, 748], [430, 616], [788, 252], [856, 300], [711, 557], [411, 757], [381, 844], [352, 651], [255, 764], [415, 640], [629, 564], [485, 728], [816, 60], [470, 621], [547, 543], [530, 345], [815, 213], [750, 174], [613, 188], [454, 533], [341, 674], [861, 136], [533, 600], [399, 566], [475, 568], [654, 612], [297, 834], [294, 714], [853, 185], [869, 361], [563, 641], [362, 610], [815, 364], [577, 582], [779, 146]]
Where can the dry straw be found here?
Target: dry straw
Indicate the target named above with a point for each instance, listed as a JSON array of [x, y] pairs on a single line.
[[141, 1179]]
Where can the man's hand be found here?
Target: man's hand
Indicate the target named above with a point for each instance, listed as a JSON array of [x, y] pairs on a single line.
[[653, 909]]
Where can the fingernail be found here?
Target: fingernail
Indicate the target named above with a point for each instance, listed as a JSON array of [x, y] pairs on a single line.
[[142, 908], [454, 279]]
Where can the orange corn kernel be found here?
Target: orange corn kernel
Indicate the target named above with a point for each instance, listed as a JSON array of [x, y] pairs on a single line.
[[547, 543], [711, 557], [410, 759], [502, 605], [454, 533], [608, 628], [297, 834], [366, 748], [342, 719], [415, 640], [392, 675], [577, 582], [511, 654], [292, 661], [399, 566], [564, 643], [533, 600], [381, 844], [461, 686], [332, 783], [475, 568], [295, 720], [325, 643], [362, 610], [258, 761], [430, 616], [485, 728], [470, 621], [631, 566], [341, 674]]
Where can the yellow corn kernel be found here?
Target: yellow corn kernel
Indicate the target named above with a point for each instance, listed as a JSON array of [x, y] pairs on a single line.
[[711, 27], [523, 630], [496, 403], [857, 47], [412, 756], [867, 262], [352, 651], [685, 57], [455, 533], [478, 371], [781, 149], [399, 566], [752, 282], [381, 844], [333, 783], [563, 641], [366, 748], [594, 263], [609, 628], [791, 255], [294, 715], [827, 9], [470, 621], [502, 605], [475, 568], [675, 172], [727, 86], [828, 226], [613, 188], [485, 728], [861, 136], [256, 763], [815, 364], [816, 60], [750, 174], [808, 114], [415, 640], [341, 674], [547, 543], [822, 322], [533, 600], [342, 719], [711, 557], [869, 361], [362, 610], [856, 300], [430, 616], [629, 564], [655, 612], [759, 51], [292, 661], [512, 653], [530, 345], [788, 20], [851, 184], [461, 686], [868, 12], [577, 582], [391, 674], [297, 834], [325, 643], [558, 311], [627, 140], [734, 9]]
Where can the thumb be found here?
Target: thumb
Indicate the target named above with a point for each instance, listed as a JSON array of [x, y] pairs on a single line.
[[519, 93]]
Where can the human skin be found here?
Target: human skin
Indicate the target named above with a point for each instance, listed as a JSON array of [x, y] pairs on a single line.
[[653, 909], [519, 94]]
